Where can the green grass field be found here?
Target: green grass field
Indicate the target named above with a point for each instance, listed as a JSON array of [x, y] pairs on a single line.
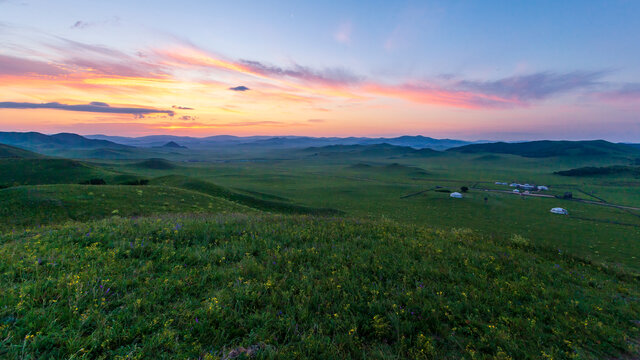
[[318, 254], [309, 287]]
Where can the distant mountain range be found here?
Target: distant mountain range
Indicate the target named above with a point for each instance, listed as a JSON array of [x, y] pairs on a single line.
[[118, 147], [417, 142]]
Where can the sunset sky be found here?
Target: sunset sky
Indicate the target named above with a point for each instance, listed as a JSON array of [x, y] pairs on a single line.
[[495, 70]]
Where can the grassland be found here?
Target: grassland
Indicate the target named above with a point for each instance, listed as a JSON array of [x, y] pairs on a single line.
[[338, 252], [176, 287]]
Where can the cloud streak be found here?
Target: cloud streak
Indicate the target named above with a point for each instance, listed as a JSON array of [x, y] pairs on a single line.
[[535, 86], [94, 107]]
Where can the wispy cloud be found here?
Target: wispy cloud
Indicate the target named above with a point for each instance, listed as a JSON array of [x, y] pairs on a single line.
[[625, 93], [94, 107], [20, 66], [333, 76], [516, 91], [535, 86]]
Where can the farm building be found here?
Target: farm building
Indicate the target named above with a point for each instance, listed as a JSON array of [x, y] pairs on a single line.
[[516, 191], [456, 195], [542, 187], [560, 211]]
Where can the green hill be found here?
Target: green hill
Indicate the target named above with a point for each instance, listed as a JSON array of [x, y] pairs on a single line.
[[12, 152], [55, 171], [601, 171], [155, 164], [546, 148], [376, 150], [263, 204], [394, 169], [27, 206], [35, 140], [303, 287]]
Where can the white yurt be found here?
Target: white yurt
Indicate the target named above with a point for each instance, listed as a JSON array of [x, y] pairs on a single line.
[[560, 211], [456, 195]]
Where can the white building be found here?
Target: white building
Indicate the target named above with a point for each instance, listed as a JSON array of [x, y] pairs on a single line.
[[560, 211], [456, 195], [542, 187], [516, 191]]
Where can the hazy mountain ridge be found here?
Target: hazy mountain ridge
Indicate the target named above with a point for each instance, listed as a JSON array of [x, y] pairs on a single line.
[[418, 142]]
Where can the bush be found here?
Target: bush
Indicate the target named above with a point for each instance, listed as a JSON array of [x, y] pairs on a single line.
[[94, 182], [137, 182], [464, 189]]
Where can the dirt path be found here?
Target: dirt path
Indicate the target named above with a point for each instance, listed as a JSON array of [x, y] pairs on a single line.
[[577, 200]]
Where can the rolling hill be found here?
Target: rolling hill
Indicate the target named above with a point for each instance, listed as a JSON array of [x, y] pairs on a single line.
[[55, 144], [615, 170], [12, 152], [155, 164], [262, 204], [35, 171], [376, 150], [548, 148], [28, 206]]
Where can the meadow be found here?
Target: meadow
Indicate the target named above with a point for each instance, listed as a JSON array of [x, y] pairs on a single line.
[[292, 287], [338, 252]]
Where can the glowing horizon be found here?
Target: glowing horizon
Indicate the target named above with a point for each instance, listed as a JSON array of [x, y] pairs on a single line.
[[146, 77]]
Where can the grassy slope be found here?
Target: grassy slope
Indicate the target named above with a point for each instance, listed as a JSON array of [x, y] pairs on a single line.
[[28, 206], [54, 171], [180, 287], [248, 200], [11, 152]]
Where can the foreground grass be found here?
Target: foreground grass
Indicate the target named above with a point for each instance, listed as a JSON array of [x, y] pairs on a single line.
[[190, 287]]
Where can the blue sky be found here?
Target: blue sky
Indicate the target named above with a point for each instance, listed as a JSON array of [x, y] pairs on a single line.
[[572, 67]]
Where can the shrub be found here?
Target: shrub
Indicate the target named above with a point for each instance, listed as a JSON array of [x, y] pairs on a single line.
[[94, 182], [137, 182]]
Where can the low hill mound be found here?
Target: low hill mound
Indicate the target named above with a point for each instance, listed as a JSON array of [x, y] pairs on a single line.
[[173, 145], [601, 171], [155, 164], [394, 168], [262, 204], [546, 148], [55, 171], [12, 152], [376, 150], [303, 287], [27, 206]]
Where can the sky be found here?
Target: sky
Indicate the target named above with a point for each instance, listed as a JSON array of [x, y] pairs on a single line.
[[490, 70]]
